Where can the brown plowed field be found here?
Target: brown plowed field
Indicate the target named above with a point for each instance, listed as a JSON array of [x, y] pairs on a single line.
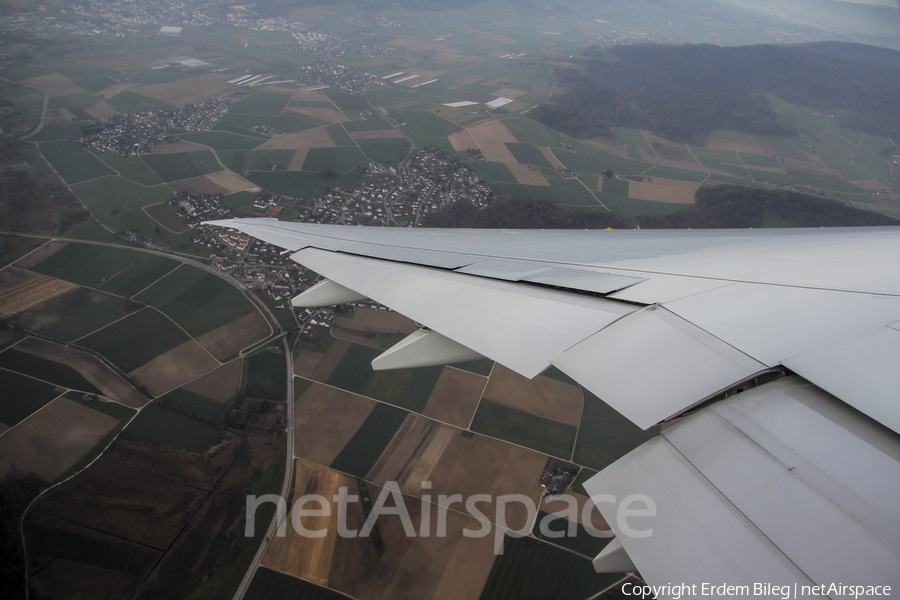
[[462, 140], [51, 441], [20, 290], [525, 175], [220, 384], [90, 367], [542, 396], [186, 91], [723, 142], [455, 397], [497, 152], [304, 96], [411, 568], [607, 148], [58, 115], [378, 321], [54, 84], [237, 335], [35, 257], [165, 217], [492, 131], [331, 360], [174, 368], [325, 419], [805, 167], [423, 450], [302, 141]]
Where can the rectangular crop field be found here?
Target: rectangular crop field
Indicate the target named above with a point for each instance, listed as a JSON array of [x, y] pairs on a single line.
[[355, 369], [136, 339], [591, 160], [244, 124], [424, 128], [301, 184], [407, 388], [161, 426], [262, 103], [139, 275], [518, 427], [222, 140], [492, 172], [61, 131], [604, 435], [73, 163], [130, 167], [362, 451], [240, 161], [172, 167], [86, 264], [72, 315], [339, 135], [129, 102], [341, 159], [385, 151], [528, 154], [22, 396], [46, 370], [198, 301], [205, 409], [527, 131], [265, 376]]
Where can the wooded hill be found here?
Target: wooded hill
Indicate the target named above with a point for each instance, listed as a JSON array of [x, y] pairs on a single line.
[[684, 92]]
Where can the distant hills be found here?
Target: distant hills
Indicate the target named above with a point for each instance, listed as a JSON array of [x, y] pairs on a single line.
[[684, 92]]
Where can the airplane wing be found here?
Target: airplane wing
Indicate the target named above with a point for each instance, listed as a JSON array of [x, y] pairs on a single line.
[[772, 357]]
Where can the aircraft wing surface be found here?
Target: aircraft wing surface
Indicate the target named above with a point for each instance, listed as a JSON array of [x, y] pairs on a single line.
[[795, 479]]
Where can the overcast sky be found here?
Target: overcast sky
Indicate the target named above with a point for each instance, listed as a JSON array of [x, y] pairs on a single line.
[[882, 2]]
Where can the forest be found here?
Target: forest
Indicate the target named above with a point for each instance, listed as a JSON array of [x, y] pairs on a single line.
[[684, 92], [723, 206]]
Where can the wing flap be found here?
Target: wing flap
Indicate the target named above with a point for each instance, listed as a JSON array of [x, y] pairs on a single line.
[[652, 364], [522, 327]]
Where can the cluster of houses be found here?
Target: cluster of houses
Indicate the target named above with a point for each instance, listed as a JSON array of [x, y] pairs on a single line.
[[137, 133]]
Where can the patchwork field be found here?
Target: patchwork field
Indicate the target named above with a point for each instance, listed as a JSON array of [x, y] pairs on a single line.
[[21, 290], [49, 442], [229, 339], [175, 367], [325, 419], [220, 384], [542, 396], [455, 397]]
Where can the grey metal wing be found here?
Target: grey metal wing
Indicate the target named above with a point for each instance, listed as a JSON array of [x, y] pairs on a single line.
[[662, 325]]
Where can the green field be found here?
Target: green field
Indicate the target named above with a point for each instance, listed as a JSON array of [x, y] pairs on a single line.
[[528, 154], [676, 173], [241, 161], [582, 542], [262, 103], [140, 275], [72, 315], [588, 159], [630, 136], [613, 185], [274, 585], [492, 172], [111, 199], [45, 369], [362, 451], [22, 396], [354, 371], [341, 159], [183, 165], [518, 427], [529, 569], [345, 101], [131, 168], [222, 140], [385, 151], [198, 301], [95, 84], [406, 388], [60, 131], [72, 100], [367, 125], [265, 376], [758, 160], [604, 435], [86, 264], [300, 184], [203, 408], [244, 124], [161, 426], [424, 128], [129, 102], [73, 163], [339, 135], [117, 343]]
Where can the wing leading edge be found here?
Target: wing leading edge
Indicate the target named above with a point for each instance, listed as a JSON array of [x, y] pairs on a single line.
[[655, 324]]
